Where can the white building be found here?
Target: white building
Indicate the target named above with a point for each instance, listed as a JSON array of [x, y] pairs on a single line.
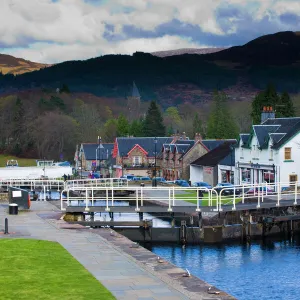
[[270, 153]]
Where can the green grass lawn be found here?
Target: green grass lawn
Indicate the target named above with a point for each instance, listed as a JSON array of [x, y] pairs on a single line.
[[23, 162], [34, 269], [191, 197]]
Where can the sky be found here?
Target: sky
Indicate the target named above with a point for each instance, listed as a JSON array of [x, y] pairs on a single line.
[[52, 31]]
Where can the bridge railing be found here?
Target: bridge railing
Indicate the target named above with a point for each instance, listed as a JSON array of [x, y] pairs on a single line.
[[101, 182], [110, 196], [258, 193], [33, 183]]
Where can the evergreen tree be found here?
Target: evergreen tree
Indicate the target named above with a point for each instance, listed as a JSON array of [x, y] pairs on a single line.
[[18, 127], [197, 126], [283, 105], [122, 126], [136, 128], [153, 125], [110, 130], [220, 123], [65, 89]]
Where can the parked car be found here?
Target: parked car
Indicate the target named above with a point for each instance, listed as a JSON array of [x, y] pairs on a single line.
[[264, 190], [183, 183], [129, 177], [202, 185], [145, 178], [228, 188], [160, 179]]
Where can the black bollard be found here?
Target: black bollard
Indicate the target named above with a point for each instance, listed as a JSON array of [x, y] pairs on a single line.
[[6, 226]]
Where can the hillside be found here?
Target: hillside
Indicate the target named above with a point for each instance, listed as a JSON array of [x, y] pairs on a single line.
[[186, 51], [240, 71], [13, 65]]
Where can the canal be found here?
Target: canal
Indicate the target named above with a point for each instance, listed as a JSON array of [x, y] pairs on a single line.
[[261, 270]]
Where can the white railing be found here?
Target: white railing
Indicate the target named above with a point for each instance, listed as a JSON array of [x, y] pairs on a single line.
[[117, 182], [216, 198], [33, 183]]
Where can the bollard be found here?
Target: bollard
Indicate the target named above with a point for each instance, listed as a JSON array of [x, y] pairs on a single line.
[[6, 226]]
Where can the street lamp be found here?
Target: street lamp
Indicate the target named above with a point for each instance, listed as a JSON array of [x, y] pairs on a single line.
[[99, 147], [154, 173], [122, 154], [81, 151], [231, 151]]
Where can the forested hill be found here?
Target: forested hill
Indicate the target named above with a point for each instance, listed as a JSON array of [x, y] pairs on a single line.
[[272, 58]]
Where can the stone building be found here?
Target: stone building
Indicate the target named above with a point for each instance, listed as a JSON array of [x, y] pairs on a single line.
[[137, 155]]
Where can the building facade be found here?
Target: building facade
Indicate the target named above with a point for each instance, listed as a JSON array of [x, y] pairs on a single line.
[[138, 155], [216, 166], [270, 153]]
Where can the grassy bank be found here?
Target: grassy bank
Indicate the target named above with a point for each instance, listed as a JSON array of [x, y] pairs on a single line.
[[33, 269], [191, 197], [23, 162]]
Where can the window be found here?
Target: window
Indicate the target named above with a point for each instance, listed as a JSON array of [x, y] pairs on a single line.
[[137, 160], [293, 178], [287, 153]]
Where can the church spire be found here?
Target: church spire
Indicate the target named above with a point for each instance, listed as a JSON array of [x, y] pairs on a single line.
[[135, 91]]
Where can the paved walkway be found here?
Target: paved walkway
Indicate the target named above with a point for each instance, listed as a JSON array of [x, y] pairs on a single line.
[[114, 269]]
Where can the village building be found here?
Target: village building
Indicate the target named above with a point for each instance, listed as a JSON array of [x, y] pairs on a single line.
[[176, 157], [96, 157], [138, 155], [216, 166], [271, 152]]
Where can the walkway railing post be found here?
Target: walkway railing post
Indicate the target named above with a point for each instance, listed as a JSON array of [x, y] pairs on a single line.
[[296, 192], [68, 197], [266, 191], [173, 196], [234, 207], [92, 196], [137, 199], [278, 194], [107, 208], [142, 198], [262, 194], [197, 195], [220, 200], [44, 193], [243, 194], [86, 200], [61, 201], [258, 199], [112, 196]]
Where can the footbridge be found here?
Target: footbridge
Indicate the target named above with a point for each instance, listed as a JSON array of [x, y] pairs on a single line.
[[128, 199]]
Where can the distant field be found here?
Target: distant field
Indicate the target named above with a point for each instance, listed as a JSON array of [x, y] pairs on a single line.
[[23, 162], [33, 269]]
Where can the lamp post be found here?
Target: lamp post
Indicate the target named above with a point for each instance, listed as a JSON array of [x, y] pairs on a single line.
[[231, 151], [44, 167], [122, 154], [81, 163], [99, 147], [155, 143]]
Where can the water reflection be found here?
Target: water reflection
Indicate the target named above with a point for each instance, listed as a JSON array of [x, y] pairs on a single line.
[[260, 270]]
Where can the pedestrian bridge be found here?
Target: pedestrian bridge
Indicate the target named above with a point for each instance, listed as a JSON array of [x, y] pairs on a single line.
[[112, 198], [59, 184]]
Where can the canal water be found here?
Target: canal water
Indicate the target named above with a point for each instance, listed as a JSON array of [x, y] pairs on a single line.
[[261, 270]]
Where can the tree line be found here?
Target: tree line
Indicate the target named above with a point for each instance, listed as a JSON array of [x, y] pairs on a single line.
[[49, 124]]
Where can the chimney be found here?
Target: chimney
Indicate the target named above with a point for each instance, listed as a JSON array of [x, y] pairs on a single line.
[[198, 137], [267, 113]]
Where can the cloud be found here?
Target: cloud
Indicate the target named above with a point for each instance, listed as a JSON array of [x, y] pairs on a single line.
[[57, 30]]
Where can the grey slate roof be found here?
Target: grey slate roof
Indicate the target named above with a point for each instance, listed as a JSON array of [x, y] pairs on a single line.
[[287, 127], [244, 137], [125, 144], [104, 153], [221, 155], [212, 144], [262, 133], [276, 137]]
